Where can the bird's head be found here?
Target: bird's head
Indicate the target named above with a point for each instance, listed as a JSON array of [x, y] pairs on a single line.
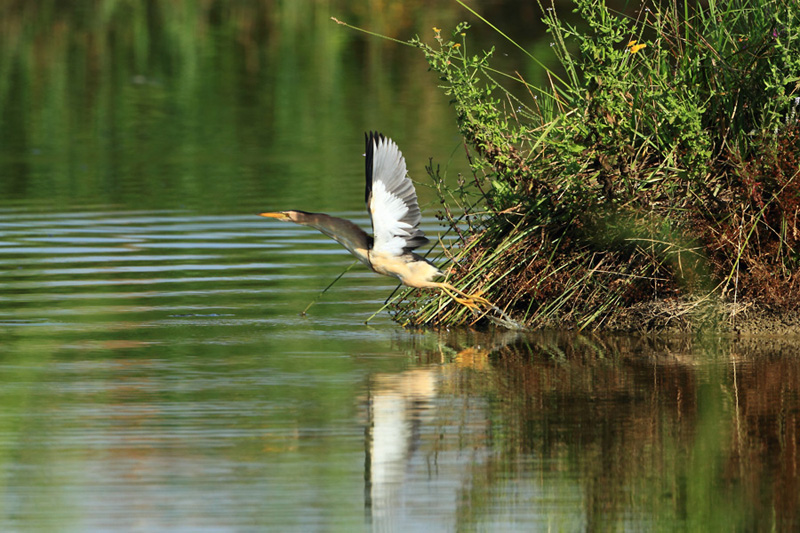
[[298, 217]]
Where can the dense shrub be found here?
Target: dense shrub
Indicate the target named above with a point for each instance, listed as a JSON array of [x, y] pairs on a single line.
[[662, 163]]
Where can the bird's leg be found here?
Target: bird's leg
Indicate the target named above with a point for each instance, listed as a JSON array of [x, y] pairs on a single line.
[[466, 299], [474, 302]]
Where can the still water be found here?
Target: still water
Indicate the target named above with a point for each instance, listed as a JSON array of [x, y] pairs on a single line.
[[156, 374]]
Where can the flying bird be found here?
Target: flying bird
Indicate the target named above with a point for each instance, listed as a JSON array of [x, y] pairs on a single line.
[[395, 214]]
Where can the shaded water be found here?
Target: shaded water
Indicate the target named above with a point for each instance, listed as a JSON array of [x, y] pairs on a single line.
[[155, 373]]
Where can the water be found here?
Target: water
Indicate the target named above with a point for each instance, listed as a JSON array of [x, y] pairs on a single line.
[[156, 374]]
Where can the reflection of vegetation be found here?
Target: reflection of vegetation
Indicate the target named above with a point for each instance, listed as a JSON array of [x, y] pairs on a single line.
[[656, 431], [168, 104], [24, 419], [662, 163]]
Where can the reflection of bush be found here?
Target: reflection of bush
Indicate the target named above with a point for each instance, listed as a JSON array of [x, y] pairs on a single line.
[[207, 103], [765, 433], [680, 431], [621, 420]]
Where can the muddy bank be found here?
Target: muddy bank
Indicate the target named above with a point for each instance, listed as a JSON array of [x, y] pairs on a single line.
[[685, 316]]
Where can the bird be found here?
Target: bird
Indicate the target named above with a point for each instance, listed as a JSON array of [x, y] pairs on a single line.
[[395, 214]]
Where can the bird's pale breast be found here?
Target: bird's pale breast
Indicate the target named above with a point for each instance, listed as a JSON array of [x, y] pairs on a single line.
[[412, 272]]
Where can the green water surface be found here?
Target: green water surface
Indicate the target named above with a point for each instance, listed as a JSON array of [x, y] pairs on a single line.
[[156, 374]]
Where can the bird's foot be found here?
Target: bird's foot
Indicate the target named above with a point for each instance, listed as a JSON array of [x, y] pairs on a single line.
[[469, 301], [476, 301], [480, 305]]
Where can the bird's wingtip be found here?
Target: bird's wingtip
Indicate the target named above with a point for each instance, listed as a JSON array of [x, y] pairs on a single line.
[[374, 137]]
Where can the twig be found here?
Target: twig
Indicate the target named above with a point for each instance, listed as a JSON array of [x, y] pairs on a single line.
[[316, 299]]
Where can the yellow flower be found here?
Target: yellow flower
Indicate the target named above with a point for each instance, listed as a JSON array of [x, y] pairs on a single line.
[[456, 45], [437, 30], [633, 47]]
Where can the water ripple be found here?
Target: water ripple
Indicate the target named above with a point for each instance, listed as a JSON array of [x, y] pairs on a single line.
[[60, 270]]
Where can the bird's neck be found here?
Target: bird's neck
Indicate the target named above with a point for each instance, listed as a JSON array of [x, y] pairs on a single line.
[[345, 233]]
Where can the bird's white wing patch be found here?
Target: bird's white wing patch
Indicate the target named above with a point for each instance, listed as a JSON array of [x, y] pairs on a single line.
[[393, 203], [388, 211]]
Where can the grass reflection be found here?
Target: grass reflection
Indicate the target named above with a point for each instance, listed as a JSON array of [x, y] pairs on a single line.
[[646, 433], [462, 430], [207, 103]]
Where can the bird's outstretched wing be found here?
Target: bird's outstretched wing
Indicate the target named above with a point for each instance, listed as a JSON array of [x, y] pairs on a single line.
[[391, 199]]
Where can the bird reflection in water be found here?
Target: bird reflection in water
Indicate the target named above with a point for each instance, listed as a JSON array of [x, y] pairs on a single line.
[[415, 448]]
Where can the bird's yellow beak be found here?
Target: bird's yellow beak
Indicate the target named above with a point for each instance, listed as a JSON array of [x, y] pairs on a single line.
[[279, 215]]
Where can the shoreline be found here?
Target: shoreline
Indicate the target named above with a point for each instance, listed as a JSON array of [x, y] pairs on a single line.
[[682, 315]]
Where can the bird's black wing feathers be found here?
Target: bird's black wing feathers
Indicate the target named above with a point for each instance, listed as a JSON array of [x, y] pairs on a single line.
[[371, 139]]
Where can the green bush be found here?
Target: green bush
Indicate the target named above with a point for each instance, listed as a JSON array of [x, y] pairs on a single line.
[[661, 164]]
